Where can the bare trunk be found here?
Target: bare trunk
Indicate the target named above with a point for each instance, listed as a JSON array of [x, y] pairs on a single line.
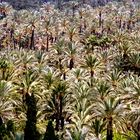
[[61, 109], [109, 130], [32, 46], [100, 19], [71, 65], [138, 137], [91, 73], [64, 75], [47, 44]]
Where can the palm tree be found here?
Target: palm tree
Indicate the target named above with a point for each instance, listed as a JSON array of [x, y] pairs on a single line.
[[59, 47], [71, 33], [98, 127], [125, 49], [102, 89], [71, 52], [110, 109], [40, 59], [65, 25], [48, 79], [56, 104], [133, 122], [115, 77], [79, 74], [75, 135], [32, 45], [6, 102], [26, 86], [47, 25], [92, 63], [4, 66], [24, 60], [93, 41], [80, 119], [80, 112]]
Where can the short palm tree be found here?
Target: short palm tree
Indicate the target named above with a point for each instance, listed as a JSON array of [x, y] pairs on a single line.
[[6, 102], [71, 33], [98, 127], [80, 119], [4, 67], [92, 64], [133, 121], [71, 52], [102, 89]]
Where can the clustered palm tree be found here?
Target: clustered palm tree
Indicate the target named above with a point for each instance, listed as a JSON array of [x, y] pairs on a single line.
[[70, 73]]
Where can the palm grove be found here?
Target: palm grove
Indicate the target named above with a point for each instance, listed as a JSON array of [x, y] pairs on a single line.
[[71, 74]]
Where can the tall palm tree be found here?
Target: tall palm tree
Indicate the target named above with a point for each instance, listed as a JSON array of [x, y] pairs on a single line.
[[80, 119], [26, 86], [110, 109], [56, 104], [80, 111]]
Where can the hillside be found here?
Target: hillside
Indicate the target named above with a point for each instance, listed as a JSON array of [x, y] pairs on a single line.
[[22, 4], [70, 72]]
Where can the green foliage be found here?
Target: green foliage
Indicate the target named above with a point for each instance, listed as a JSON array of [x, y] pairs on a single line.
[[7, 130]]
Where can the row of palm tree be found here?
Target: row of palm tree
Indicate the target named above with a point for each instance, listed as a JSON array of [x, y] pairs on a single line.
[[70, 74]]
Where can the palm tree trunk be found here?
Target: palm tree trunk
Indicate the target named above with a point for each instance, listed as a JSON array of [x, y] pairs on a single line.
[[57, 123], [47, 44], [109, 130], [64, 75], [100, 19], [73, 10], [61, 108], [71, 65], [91, 77], [1, 123], [80, 29], [57, 117], [3, 74], [91, 73], [12, 37], [138, 138], [32, 46]]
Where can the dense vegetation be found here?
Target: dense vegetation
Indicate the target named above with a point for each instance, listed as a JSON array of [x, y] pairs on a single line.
[[70, 74]]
